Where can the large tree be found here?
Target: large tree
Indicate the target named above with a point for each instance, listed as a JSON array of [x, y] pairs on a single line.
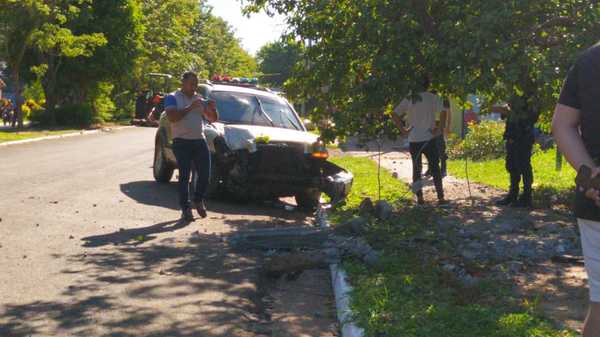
[[276, 61], [120, 21], [367, 55], [42, 25], [215, 42]]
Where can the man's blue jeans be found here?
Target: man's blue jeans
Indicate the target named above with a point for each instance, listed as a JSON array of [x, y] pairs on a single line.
[[188, 151]]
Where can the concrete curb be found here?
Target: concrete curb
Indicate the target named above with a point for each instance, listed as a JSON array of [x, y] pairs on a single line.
[[66, 135], [341, 289]]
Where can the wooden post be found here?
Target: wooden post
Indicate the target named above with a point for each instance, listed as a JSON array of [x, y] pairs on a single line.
[[559, 160]]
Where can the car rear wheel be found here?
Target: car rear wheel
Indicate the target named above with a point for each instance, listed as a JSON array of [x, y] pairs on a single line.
[[161, 169], [308, 199]]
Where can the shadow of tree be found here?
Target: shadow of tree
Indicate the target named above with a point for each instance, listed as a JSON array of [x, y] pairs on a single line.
[[186, 285], [134, 236]]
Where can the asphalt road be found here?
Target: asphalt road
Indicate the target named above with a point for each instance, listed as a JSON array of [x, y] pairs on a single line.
[[91, 246]]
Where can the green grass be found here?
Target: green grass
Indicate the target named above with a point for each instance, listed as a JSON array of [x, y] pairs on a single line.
[[12, 135], [549, 184], [409, 294]]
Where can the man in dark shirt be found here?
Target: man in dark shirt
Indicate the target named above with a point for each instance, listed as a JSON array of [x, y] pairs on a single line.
[[519, 137], [576, 127]]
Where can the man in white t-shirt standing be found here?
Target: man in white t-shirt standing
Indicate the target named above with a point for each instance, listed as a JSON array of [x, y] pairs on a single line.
[[186, 110], [420, 112]]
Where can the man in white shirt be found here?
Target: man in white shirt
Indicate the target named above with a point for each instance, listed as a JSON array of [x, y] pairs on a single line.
[[186, 110], [420, 112]]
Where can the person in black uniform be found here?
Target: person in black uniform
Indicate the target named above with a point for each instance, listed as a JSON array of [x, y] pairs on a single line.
[[519, 137]]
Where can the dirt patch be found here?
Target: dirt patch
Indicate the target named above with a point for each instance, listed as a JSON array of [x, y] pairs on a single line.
[[303, 307]]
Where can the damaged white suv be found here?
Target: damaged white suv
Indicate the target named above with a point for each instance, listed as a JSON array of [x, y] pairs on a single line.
[[260, 149]]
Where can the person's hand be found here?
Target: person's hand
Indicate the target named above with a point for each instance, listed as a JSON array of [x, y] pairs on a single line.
[[212, 105], [197, 104], [594, 193], [436, 131]]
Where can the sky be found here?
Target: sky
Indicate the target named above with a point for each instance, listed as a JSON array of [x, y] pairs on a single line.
[[254, 32]]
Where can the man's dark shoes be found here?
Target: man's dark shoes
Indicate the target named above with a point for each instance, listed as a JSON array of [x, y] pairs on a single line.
[[201, 208], [508, 200], [187, 215], [524, 201]]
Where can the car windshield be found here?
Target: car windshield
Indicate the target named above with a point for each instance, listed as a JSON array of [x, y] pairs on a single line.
[[243, 108]]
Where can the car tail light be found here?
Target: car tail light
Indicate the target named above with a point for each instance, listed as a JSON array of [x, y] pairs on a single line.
[[320, 151], [320, 155]]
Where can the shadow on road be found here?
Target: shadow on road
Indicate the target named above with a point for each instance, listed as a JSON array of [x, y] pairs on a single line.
[[152, 193], [165, 195], [183, 288], [134, 236]]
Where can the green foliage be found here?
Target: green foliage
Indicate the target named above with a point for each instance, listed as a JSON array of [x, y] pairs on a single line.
[[77, 115], [483, 141], [366, 55], [103, 106], [408, 293], [277, 61], [551, 187], [365, 184], [167, 25], [213, 39], [13, 135]]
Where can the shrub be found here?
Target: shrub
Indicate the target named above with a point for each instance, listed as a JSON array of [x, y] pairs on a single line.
[[483, 141], [79, 115], [103, 106]]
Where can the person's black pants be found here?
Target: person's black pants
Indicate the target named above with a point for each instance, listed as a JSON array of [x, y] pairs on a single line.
[[430, 150], [440, 143], [518, 164], [188, 151]]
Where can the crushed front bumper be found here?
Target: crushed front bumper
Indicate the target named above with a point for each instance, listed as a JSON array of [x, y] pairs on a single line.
[[337, 182]]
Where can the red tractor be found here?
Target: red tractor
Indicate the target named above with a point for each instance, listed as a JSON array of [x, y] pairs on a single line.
[[149, 103]]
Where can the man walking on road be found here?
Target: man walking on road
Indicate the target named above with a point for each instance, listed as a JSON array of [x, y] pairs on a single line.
[[576, 127], [420, 114], [186, 110]]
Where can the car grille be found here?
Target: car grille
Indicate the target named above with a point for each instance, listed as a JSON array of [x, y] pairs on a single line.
[[280, 159]]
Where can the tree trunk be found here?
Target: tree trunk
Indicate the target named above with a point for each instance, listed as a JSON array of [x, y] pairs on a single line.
[[50, 102], [17, 120], [49, 85]]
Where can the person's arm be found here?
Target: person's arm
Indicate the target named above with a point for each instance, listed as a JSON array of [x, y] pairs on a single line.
[[400, 124], [210, 111], [397, 116], [565, 128], [175, 115], [443, 109]]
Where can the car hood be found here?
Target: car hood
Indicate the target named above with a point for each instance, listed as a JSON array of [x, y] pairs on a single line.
[[243, 136]]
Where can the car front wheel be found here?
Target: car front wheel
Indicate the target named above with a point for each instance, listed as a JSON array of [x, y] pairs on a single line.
[[161, 169]]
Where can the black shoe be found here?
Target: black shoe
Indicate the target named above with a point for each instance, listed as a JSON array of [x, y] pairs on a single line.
[[508, 200], [187, 215], [201, 209], [524, 201]]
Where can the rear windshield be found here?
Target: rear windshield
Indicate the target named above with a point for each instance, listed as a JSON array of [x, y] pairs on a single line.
[[243, 108]]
